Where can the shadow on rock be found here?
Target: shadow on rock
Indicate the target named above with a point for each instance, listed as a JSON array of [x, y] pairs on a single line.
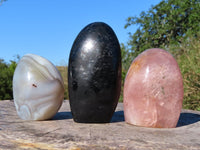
[[62, 116], [187, 119], [118, 116]]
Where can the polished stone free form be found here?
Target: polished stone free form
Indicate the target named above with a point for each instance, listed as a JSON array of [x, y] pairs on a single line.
[[38, 88], [94, 74], [153, 90]]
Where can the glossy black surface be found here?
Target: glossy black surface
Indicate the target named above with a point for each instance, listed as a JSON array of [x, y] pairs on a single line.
[[94, 74]]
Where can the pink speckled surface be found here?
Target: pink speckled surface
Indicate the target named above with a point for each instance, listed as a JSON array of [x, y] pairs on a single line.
[[153, 90]]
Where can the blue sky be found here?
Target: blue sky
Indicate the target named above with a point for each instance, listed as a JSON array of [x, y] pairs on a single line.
[[48, 27]]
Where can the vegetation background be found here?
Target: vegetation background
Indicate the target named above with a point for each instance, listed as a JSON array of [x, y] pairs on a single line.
[[172, 25]]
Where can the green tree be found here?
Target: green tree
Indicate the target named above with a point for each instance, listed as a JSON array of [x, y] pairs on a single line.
[[167, 23], [6, 76]]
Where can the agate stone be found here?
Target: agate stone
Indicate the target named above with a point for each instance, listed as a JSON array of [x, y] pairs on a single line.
[[94, 74], [153, 90], [38, 88]]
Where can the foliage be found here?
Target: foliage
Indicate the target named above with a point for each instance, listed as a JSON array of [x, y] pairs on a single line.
[[188, 58], [126, 56], [6, 76], [167, 23]]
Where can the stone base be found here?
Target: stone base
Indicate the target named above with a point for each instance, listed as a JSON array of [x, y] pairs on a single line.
[[63, 133]]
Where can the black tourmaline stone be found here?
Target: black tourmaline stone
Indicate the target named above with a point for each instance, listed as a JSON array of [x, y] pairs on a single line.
[[94, 74]]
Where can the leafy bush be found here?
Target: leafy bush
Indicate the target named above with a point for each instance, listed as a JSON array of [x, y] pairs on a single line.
[[6, 77]]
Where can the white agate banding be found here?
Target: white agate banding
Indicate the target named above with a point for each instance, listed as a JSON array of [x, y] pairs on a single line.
[[38, 88]]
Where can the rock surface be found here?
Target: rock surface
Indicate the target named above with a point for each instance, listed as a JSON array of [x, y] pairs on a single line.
[[153, 90], [63, 133]]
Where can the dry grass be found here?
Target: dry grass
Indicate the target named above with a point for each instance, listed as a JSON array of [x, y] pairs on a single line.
[[63, 72], [188, 58]]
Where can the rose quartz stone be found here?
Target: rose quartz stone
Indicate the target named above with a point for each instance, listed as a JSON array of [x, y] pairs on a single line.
[[153, 90]]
